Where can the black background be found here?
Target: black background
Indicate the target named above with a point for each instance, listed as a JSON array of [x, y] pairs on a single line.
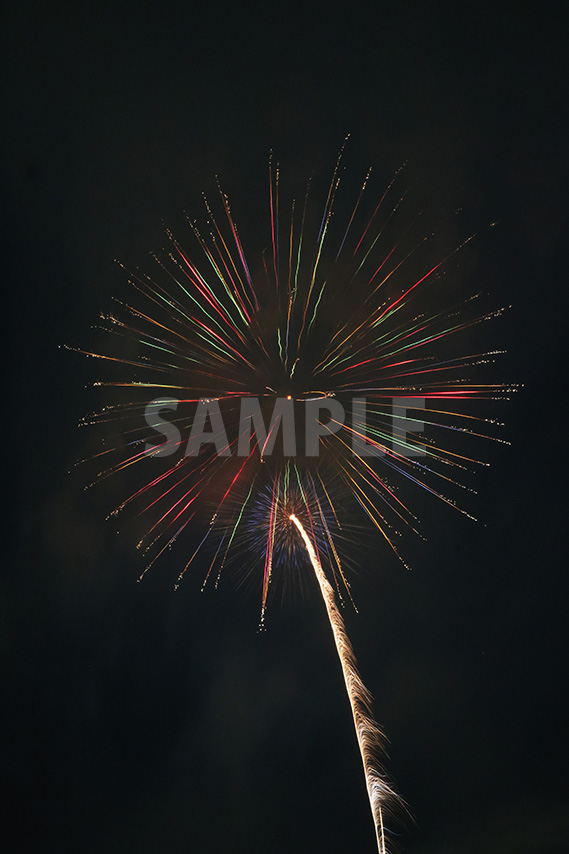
[[146, 720]]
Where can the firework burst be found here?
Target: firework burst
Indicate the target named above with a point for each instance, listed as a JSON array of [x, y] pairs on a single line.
[[337, 315]]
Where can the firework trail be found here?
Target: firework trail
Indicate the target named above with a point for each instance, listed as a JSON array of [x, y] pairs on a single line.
[[370, 737]]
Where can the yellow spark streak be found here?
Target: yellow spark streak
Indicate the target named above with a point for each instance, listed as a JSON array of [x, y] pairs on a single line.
[[370, 738]]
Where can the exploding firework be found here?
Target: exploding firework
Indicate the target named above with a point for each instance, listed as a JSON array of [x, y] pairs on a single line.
[[340, 315]]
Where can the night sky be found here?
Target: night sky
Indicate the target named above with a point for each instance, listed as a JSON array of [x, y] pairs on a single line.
[[146, 720]]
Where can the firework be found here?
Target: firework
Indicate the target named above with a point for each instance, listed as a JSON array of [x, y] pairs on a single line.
[[342, 325]]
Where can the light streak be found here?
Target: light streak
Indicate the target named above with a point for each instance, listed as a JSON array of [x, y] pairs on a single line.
[[371, 739]]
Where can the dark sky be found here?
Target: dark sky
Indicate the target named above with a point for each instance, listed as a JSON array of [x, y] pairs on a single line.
[[145, 720]]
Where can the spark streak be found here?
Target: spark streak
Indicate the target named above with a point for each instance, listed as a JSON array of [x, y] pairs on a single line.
[[371, 740]]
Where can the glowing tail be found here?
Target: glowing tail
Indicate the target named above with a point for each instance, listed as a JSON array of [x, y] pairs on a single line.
[[370, 737]]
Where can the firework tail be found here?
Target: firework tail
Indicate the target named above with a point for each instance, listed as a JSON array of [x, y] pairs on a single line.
[[370, 737]]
